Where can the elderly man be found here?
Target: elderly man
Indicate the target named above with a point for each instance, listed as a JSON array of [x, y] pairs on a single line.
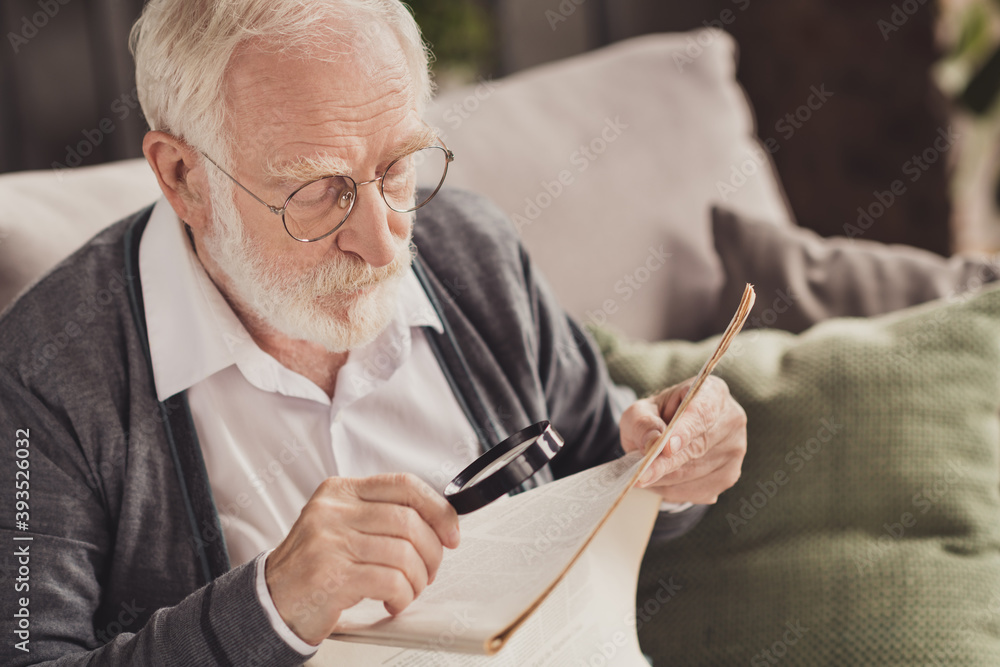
[[293, 361]]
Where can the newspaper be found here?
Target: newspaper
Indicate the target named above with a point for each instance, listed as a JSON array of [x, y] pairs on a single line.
[[524, 574]]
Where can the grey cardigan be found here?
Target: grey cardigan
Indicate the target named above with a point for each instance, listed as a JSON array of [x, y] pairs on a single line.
[[126, 563]]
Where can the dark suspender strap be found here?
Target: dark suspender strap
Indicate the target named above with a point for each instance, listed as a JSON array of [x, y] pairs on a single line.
[[456, 369], [207, 538]]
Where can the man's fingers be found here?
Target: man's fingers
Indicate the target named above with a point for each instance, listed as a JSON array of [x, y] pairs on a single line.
[[642, 424], [703, 466], [670, 398], [405, 523], [692, 472], [701, 414], [380, 537], [410, 490], [378, 582], [704, 490], [646, 419], [677, 454], [396, 553]]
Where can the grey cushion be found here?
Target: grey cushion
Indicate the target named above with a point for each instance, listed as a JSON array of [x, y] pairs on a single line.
[[802, 278]]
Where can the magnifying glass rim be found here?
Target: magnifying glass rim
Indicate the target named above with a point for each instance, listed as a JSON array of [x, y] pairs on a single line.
[[466, 497]]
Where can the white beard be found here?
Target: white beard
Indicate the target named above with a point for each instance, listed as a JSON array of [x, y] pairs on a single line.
[[318, 306]]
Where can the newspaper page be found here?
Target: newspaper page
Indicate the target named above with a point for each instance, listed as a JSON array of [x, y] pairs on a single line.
[[589, 618]]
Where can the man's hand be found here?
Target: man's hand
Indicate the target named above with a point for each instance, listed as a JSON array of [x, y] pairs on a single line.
[[380, 537], [705, 452]]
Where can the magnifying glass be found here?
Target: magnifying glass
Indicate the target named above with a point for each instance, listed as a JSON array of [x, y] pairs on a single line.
[[504, 467]]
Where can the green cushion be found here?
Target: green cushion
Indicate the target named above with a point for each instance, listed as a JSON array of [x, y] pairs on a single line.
[[866, 526]]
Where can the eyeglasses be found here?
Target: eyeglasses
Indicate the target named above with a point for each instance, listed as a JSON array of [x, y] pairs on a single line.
[[319, 208]]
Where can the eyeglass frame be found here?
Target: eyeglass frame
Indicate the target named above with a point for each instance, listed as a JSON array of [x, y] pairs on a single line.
[[449, 158]]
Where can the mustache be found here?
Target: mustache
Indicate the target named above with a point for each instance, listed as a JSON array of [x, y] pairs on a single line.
[[347, 273]]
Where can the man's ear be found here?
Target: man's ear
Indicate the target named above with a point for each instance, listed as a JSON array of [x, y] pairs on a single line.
[[179, 171]]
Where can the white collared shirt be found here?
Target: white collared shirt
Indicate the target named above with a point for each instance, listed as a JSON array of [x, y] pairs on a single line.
[[269, 435]]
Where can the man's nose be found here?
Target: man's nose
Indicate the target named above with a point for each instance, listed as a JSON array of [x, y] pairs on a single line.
[[368, 231]]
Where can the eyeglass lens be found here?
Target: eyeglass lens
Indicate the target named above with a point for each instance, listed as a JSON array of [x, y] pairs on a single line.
[[321, 206]]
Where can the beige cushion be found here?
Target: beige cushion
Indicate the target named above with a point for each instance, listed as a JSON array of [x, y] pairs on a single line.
[[685, 126], [46, 215], [670, 133], [802, 278]]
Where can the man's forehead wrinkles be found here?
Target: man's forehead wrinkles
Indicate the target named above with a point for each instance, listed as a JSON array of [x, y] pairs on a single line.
[[340, 134], [306, 110], [363, 119]]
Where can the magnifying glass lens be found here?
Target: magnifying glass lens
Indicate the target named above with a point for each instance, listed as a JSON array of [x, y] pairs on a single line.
[[502, 462], [504, 467]]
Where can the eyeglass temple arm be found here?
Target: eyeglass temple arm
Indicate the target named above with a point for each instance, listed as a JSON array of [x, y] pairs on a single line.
[[273, 209]]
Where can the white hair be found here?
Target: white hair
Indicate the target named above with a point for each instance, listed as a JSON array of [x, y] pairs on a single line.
[[183, 49]]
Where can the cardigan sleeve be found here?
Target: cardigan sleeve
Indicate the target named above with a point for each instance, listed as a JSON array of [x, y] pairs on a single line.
[[59, 538]]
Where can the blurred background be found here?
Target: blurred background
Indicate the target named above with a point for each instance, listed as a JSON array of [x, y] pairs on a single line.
[[886, 81]]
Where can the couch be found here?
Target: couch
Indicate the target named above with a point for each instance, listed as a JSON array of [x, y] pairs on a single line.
[[636, 180]]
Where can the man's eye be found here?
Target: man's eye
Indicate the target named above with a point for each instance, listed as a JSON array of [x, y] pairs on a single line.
[[321, 193], [399, 174]]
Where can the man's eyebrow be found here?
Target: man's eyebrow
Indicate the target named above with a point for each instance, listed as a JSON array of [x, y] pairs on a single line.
[[422, 139], [303, 169]]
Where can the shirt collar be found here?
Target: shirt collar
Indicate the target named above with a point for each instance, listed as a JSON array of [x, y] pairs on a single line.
[[193, 332]]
